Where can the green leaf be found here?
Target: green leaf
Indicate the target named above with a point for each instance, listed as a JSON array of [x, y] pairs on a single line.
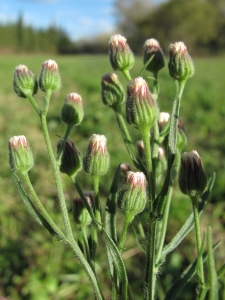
[[32, 209], [185, 277], [212, 274]]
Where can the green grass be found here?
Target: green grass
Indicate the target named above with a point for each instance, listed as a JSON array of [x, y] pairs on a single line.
[[31, 260]]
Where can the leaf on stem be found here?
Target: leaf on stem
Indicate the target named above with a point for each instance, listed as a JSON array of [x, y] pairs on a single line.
[[185, 277], [32, 209]]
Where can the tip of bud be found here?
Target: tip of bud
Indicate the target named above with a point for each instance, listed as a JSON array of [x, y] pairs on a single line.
[[177, 46], [50, 64], [117, 39], [151, 43]]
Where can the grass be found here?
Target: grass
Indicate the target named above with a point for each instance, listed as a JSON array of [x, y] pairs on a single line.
[[30, 260]]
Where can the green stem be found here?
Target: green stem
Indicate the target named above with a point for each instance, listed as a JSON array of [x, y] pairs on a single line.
[[150, 275], [128, 220], [97, 202], [145, 133], [163, 223], [60, 153], [199, 271], [39, 205], [34, 104], [126, 73]]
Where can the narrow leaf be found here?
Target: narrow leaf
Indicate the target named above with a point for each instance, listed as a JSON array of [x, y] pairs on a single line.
[[212, 274], [32, 209], [185, 277]]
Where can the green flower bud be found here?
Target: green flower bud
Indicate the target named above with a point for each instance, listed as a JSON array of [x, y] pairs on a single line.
[[152, 48], [72, 112], [24, 82], [112, 90], [20, 155], [80, 213], [71, 162], [96, 160], [120, 54], [49, 79], [192, 177], [132, 195], [180, 64], [141, 108]]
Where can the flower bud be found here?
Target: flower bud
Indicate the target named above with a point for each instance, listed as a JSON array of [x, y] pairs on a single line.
[[20, 155], [140, 148], [112, 90], [72, 112], [141, 108], [180, 64], [152, 48], [96, 160], [124, 168], [49, 79], [192, 177], [71, 162], [24, 82], [132, 195], [80, 213], [163, 119], [120, 54]]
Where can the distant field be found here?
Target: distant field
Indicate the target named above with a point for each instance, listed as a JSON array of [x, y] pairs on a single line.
[[202, 111]]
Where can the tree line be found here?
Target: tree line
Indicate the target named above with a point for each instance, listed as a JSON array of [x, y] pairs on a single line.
[[199, 23]]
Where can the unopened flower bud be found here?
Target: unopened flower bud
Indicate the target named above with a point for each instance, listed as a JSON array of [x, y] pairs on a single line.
[[72, 112], [24, 82], [96, 160], [120, 54], [163, 119], [192, 177], [80, 213], [132, 195], [152, 48], [180, 64], [20, 155], [71, 161], [124, 168], [49, 79], [140, 148], [112, 90], [141, 108]]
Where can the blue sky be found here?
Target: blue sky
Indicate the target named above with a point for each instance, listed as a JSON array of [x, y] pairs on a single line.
[[77, 17]]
